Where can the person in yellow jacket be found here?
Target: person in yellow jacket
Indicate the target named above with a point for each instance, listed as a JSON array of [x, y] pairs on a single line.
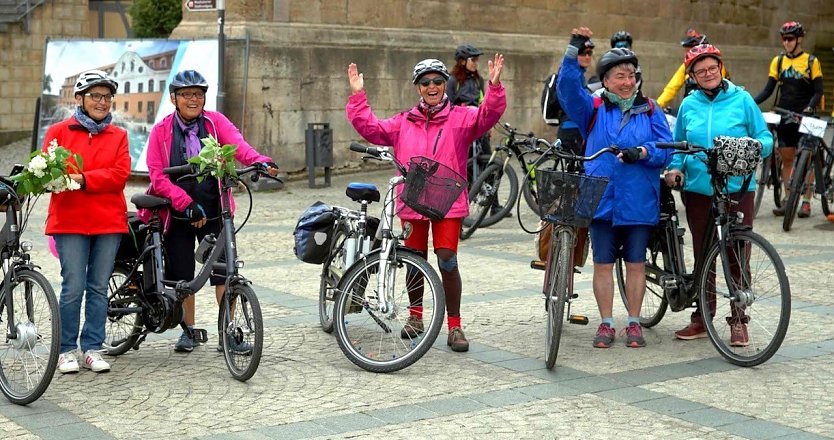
[[680, 78]]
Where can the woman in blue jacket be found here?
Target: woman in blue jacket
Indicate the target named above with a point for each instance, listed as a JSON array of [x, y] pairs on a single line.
[[718, 107], [629, 208]]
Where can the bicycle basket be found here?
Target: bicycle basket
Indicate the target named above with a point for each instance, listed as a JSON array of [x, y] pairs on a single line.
[[569, 198], [431, 188], [736, 156]]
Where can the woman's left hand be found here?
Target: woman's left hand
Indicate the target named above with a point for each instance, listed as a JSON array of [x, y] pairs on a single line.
[[495, 65]]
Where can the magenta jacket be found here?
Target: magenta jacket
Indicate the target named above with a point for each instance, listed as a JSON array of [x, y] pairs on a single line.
[[447, 137], [159, 157]]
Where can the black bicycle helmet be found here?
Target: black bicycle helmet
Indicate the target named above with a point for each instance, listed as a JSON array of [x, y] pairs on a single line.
[[693, 38], [621, 37], [427, 66], [92, 78], [467, 50], [188, 78], [792, 28], [613, 58]]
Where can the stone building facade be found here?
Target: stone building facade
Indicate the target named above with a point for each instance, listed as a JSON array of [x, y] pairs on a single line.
[[286, 60]]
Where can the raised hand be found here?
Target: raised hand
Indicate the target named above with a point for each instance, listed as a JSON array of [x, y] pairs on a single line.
[[495, 66], [357, 81]]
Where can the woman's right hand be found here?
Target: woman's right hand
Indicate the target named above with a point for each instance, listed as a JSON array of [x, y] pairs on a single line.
[[674, 178], [357, 81]]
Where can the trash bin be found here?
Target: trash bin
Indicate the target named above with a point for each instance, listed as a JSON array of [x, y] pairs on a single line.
[[318, 143]]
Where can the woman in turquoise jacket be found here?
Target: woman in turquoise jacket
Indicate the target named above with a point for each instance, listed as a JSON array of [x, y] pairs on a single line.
[[629, 208], [717, 108]]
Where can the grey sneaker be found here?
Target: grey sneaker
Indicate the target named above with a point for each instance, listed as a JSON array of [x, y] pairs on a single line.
[[634, 336], [184, 344], [605, 336]]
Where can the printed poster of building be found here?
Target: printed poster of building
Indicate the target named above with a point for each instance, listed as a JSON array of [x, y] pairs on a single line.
[[143, 70]]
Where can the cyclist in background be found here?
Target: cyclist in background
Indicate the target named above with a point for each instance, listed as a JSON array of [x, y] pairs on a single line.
[[680, 78], [195, 205], [572, 138], [442, 132], [621, 39], [629, 207], [799, 79], [717, 107]]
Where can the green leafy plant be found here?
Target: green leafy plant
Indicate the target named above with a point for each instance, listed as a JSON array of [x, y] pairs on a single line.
[[48, 171], [155, 18], [220, 160]]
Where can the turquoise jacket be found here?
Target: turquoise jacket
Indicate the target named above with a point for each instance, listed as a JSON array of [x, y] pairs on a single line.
[[732, 113]]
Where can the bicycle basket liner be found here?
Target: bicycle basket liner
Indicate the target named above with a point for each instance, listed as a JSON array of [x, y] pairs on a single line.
[[736, 156], [569, 198], [133, 241], [313, 233], [431, 188]]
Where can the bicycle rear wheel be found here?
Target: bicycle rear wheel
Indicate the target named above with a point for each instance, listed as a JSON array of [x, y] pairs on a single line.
[[122, 328], [331, 272], [655, 303], [776, 177], [28, 362], [762, 181], [561, 267], [242, 332], [378, 340], [760, 315], [528, 188], [504, 183], [482, 195], [796, 189]]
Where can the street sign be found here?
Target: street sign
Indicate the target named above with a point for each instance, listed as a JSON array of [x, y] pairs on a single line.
[[201, 5]]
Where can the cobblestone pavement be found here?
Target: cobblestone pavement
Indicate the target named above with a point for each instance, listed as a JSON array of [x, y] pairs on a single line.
[[306, 388]]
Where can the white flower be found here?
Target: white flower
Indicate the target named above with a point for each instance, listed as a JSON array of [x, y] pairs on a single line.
[[72, 185], [38, 163], [53, 145]]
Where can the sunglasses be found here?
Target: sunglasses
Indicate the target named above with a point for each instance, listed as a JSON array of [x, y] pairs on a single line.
[[788, 38], [586, 53], [438, 81]]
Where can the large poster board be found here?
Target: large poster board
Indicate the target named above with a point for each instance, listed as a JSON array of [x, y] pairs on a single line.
[[143, 69]]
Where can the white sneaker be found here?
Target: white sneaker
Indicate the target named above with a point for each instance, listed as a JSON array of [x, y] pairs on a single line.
[[67, 362], [93, 361]]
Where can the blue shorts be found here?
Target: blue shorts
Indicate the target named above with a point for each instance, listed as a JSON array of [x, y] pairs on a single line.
[[609, 242]]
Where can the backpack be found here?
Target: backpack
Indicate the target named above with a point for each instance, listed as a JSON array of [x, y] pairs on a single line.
[[313, 233], [551, 108]]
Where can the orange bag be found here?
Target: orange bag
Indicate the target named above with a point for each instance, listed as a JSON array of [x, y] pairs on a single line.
[[580, 248]]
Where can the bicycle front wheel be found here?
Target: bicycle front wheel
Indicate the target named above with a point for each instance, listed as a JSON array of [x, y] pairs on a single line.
[[27, 362], [797, 187], [762, 181], [561, 267], [388, 340], [124, 321], [751, 305], [242, 332], [331, 272], [482, 195]]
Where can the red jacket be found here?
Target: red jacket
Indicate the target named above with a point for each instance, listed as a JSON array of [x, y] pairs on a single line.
[[100, 207]]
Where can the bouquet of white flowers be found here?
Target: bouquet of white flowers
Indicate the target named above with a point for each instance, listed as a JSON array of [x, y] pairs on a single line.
[[219, 159], [48, 171]]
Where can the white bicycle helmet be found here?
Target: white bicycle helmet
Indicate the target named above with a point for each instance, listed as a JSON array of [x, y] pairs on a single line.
[[429, 65], [92, 78]]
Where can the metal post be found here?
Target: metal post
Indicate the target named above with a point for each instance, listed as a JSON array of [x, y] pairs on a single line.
[[36, 125], [221, 54]]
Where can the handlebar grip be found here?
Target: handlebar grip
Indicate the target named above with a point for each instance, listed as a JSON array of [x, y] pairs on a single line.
[[672, 145], [180, 169], [359, 148]]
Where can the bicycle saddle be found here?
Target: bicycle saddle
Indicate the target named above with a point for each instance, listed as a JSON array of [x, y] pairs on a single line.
[[362, 192], [149, 202]]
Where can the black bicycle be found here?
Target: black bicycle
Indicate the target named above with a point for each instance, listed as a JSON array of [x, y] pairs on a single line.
[[29, 352], [769, 172], [142, 302], [740, 278]]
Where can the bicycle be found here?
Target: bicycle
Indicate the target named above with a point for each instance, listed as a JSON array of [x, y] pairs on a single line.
[[140, 301], [385, 285], [754, 283], [769, 172], [812, 168], [29, 353], [488, 174]]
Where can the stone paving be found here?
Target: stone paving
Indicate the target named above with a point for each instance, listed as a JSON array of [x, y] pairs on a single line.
[[306, 388]]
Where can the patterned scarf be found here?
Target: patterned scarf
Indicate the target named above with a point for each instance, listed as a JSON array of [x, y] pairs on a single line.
[[431, 110], [624, 104], [190, 132], [89, 123]]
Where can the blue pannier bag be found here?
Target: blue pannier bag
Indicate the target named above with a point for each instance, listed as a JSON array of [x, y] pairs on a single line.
[[314, 233]]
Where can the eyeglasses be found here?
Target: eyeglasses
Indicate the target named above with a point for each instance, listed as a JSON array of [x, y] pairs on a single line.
[[711, 70], [189, 95], [97, 97], [438, 81], [788, 38], [586, 53]]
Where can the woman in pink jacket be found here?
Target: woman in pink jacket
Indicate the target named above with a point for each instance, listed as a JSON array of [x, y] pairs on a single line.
[[436, 129], [196, 205]]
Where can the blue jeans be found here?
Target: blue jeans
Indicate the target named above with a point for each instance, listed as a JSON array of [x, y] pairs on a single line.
[[86, 265]]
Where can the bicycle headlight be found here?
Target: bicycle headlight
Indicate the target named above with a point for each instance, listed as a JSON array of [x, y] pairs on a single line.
[[26, 246]]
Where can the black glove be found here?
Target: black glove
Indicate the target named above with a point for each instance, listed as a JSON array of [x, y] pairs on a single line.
[[195, 212], [580, 42], [631, 155]]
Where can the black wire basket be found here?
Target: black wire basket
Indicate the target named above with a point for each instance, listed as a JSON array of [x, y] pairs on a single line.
[[569, 198], [431, 188]]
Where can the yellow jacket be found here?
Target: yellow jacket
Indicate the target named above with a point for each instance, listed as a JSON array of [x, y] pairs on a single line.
[[675, 84]]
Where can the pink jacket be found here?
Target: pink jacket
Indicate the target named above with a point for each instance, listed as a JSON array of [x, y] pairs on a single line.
[[447, 137], [159, 157]]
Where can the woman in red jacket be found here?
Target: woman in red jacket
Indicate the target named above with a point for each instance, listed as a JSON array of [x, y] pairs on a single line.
[[87, 224]]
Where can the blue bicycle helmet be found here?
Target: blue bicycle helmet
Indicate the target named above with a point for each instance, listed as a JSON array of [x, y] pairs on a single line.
[[188, 78]]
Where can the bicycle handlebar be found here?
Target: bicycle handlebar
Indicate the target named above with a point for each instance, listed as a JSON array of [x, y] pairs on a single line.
[[192, 171], [378, 153]]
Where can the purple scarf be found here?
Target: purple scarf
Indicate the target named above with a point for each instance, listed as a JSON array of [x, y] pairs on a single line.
[[190, 132], [431, 110]]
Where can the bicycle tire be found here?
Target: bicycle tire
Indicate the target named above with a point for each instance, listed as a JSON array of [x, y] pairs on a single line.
[[529, 190], [797, 186], [244, 329], [507, 201], [767, 291], [122, 330], [828, 191], [481, 197], [560, 269], [28, 362], [655, 302], [762, 181], [359, 325], [331, 272], [776, 178]]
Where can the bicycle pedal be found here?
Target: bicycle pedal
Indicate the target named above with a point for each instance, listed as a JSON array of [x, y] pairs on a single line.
[[139, 341], [199, 335], [578, 319]]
